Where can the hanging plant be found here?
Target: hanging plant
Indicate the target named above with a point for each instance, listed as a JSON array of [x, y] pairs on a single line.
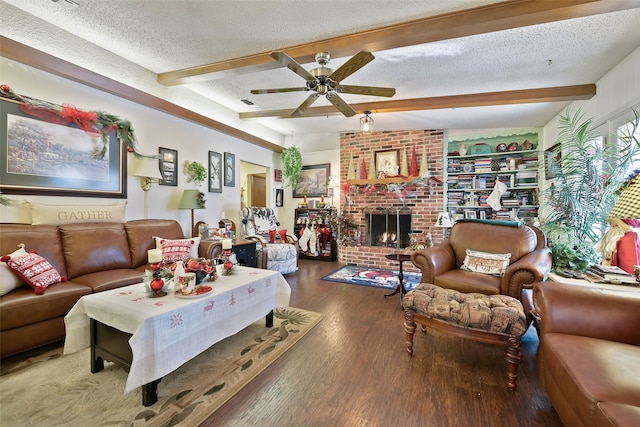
[[195, 172], [292, 160]]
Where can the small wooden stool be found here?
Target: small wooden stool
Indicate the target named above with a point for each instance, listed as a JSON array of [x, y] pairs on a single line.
[[492, 319]]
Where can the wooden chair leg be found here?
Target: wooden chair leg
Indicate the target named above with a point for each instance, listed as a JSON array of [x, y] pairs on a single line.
[[409, 329], [513, 356]]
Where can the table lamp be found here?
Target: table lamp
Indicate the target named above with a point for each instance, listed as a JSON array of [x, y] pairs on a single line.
[[444, 221], [191, 199], [628, 204]]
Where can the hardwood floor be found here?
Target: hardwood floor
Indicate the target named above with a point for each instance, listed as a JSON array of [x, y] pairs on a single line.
[[353, 370]]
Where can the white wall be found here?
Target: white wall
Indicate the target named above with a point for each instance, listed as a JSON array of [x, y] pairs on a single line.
[[616, 92], [315, 149], [153, 129]]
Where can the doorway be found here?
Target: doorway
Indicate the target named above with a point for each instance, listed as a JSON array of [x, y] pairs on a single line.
[[258, 193], [254, 190]]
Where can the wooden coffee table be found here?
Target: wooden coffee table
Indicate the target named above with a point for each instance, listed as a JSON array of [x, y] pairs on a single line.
[[151, 337]]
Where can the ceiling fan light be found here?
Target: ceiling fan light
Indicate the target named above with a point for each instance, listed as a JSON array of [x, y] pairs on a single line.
[[366, 123]]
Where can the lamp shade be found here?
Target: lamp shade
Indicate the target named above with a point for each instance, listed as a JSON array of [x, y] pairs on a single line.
[[444, 220], [628, 205], [148, 168], [190, 200]]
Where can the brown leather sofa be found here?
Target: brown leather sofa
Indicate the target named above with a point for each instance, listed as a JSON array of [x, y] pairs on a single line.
[[530, 260], [589, 353], [94, 257]]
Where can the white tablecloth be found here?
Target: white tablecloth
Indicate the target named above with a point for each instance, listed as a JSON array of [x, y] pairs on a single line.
[[169, 331]]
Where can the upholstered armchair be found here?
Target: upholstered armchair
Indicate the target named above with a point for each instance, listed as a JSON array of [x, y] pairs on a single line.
[[528, 259], [277, 249]]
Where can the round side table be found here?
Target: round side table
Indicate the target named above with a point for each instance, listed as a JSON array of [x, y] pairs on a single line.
[[399, 258]]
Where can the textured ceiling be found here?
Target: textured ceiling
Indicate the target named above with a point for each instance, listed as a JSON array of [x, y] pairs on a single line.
[[163, 36]]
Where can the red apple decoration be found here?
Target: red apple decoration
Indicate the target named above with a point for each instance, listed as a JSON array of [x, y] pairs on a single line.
[[157, 284]]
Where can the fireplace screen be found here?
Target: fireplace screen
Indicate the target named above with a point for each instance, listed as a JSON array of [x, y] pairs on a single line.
[[388, 227]]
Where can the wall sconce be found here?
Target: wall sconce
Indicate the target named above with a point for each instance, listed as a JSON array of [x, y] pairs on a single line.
[[366, 123], [332, 184], [148, 171]]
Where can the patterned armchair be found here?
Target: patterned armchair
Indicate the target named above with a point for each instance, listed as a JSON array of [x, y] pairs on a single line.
[[277, 249]]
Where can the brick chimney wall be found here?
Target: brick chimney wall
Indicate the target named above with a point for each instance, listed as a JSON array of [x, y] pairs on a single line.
[[424, 205]]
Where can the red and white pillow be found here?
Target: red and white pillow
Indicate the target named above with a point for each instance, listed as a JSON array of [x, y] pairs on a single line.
[[8, 279], [177, 249], [36, 271]]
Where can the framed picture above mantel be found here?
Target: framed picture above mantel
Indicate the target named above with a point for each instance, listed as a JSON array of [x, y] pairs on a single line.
[[44, 158]]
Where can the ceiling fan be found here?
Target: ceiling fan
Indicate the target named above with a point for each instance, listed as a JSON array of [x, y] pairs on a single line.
[[325, 81]]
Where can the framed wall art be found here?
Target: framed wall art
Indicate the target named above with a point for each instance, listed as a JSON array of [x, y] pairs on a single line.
[[215, 172], [469, 214], [44, 158], [168, 166], [313, 181], [229, 170], [387, 163], [279, 197]]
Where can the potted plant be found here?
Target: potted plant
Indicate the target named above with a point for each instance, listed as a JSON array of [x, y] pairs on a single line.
[[583, 191], [292, 160], [195, 172]]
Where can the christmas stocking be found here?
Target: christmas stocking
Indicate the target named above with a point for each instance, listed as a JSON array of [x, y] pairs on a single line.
[[313, 240], [494, 198], [306, 235]]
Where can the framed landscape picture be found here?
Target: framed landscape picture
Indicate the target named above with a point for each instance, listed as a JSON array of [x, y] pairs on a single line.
[[168, 165], [215, 172], [229, 170], [44, 158], [313, 181]]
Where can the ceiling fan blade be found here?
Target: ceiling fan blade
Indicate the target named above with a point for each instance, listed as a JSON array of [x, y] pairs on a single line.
[[339, 103], [291, 64], [367, 90], [356, 62], [307, 102], [288, 89]]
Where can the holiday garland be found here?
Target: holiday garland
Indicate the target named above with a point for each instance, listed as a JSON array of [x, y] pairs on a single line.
[[89, 121]]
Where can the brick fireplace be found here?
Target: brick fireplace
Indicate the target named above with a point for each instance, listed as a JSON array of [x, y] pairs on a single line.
[[419, 207]]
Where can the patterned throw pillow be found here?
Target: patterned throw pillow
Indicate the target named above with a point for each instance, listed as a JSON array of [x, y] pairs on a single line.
[[486, 263], [36, 271], [177, 249], [8, 279]]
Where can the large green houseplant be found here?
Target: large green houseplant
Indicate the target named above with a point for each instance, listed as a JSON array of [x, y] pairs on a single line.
[[583, 191]]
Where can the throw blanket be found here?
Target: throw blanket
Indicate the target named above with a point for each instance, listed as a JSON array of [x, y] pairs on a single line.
[[264, 220]]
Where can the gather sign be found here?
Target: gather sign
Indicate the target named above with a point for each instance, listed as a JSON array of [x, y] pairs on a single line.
[[66, 214]]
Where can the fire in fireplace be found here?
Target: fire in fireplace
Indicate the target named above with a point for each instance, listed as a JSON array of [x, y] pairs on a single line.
[[388, 227]]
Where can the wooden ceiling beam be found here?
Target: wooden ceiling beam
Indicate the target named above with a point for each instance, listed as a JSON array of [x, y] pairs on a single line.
[[509, 97], [480, 20], [27, 55]]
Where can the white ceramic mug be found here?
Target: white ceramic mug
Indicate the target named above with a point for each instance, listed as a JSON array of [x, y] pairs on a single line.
[[186, 283]]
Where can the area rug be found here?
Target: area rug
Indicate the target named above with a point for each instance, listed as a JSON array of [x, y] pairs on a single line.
[[373, 277], [51, 389]]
